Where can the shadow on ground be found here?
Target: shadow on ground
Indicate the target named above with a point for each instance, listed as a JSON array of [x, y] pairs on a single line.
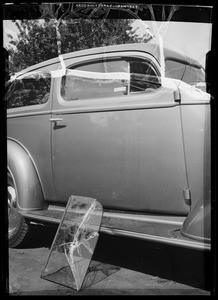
[[193, 268], [39, 236]]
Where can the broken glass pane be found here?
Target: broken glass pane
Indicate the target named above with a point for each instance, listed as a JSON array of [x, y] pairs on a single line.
[[69, 261]]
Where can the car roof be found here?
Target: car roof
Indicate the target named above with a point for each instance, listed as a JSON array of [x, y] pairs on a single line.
[[151, 48]]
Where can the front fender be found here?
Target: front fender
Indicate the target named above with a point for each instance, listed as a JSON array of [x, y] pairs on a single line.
[[23, 172]]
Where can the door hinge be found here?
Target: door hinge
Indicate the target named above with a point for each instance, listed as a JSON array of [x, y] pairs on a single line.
[[177, 96], [187, 196]]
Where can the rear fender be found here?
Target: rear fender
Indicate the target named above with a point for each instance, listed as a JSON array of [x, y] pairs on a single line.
[[26, 179], [197, 225]]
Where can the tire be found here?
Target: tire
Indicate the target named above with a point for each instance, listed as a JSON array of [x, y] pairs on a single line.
[[18, 228]]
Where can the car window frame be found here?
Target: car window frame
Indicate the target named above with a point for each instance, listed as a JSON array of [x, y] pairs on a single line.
[[130, 54], [144, 92], [95, 61]]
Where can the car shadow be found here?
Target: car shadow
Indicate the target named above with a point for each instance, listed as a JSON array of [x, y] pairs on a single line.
[[39, 236], [186, 266]]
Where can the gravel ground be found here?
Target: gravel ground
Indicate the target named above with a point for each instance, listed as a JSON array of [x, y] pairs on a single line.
[[144, 269]]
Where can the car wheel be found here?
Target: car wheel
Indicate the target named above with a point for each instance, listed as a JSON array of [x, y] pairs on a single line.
[[17, 226]]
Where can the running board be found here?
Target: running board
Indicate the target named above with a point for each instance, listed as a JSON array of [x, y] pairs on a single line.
[[154, 228]]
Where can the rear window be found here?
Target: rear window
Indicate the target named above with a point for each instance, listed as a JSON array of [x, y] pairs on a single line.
[[189, 74], [195, 77], [29, 90], [174, 69]]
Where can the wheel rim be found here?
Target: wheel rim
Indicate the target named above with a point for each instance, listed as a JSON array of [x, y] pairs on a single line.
[[13, 215]]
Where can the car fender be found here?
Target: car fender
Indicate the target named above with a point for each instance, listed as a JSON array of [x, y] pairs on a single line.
[[197, 224], [23, 171]]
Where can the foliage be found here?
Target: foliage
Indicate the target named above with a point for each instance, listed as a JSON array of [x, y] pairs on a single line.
[[38, 39], [28, 91]]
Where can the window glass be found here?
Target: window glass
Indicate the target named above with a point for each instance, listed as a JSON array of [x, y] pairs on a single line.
[[144, 77], [108, 78], [94, 80], [195, 76], [174, 69], [29, 90], [187, 73]]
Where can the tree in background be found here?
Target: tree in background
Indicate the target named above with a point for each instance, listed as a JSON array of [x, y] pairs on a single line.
[[38, 39]]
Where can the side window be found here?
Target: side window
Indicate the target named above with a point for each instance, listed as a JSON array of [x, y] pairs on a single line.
[[144, 77], [109, 78], [29, 90], [95, 80]]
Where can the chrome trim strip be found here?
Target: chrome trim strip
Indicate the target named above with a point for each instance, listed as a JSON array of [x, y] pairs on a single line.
[[168, 220], [57, 208], [199, 102], [145, 218], [112, 107], [27, 114], [40, 218], [163, 240], [99, 108], [190, 236]]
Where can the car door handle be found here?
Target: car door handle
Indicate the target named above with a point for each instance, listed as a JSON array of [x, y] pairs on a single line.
[[55, 120]]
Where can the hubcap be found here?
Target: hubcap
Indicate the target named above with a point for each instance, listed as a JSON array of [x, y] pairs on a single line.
[[13, 215]]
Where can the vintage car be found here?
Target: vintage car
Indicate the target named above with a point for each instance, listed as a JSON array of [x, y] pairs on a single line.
[[114, 124]]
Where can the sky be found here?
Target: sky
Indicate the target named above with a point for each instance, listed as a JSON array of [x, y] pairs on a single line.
[[193, 39]]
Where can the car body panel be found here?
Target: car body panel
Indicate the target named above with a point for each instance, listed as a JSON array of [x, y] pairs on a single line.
[[137, 153], [196, 126]]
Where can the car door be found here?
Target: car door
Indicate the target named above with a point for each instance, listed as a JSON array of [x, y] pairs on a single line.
[[117, 134]]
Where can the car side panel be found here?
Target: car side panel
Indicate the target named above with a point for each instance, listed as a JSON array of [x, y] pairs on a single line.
[[32, 132], [129, 159], [196, 124]]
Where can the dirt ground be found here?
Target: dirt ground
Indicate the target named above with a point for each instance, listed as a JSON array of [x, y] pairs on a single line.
[[145, 269]]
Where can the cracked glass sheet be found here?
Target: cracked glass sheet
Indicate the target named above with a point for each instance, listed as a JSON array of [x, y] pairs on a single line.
[[69, 261]]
